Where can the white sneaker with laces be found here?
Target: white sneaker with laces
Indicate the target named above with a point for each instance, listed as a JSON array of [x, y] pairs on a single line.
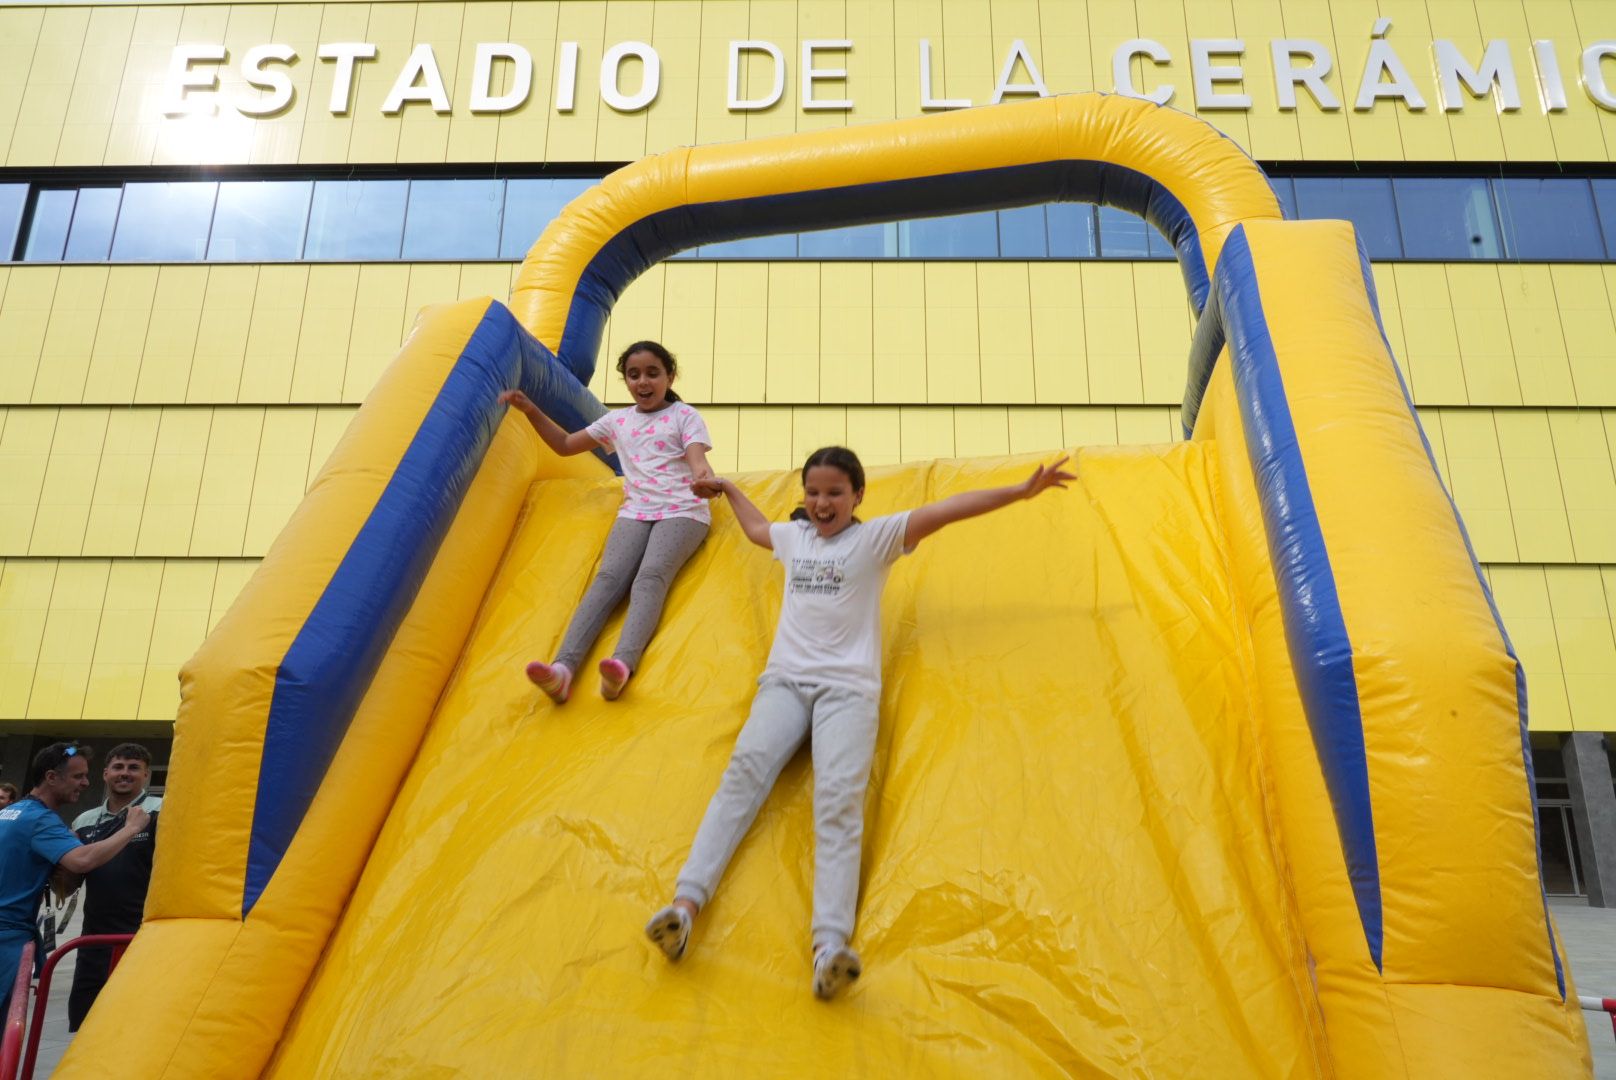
[[835, 968], [669, 930]]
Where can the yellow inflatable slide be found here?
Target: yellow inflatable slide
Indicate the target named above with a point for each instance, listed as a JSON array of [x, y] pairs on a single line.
[[1213, 765]]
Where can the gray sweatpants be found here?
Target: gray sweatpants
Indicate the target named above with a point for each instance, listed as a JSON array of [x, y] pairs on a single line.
[[841, 724], [641, 559]]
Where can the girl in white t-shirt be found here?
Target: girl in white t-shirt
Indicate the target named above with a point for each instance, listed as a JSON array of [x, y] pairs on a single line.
[[662, 445], [822, 682]]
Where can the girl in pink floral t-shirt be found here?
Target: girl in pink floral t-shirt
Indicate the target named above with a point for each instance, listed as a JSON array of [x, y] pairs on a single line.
[[661, 444]]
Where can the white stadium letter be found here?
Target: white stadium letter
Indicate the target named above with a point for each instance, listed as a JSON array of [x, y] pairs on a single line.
[[482, 77], [1122, 64], [612, 63], [738, 103], [810, 74], [181, 78], [345, 53]]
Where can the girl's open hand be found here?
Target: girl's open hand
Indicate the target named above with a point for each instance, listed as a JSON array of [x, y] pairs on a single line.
[[516, 400], [1048, 476]]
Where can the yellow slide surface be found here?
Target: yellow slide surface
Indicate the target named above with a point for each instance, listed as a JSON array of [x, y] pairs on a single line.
[[1213, 765], [1067, 858]]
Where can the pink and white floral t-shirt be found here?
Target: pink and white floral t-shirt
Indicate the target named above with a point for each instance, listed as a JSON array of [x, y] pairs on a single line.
[[651, 449]]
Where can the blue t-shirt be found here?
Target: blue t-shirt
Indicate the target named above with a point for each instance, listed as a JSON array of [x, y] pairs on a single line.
[[33, 838]]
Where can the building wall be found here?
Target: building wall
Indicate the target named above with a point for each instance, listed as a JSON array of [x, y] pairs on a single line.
[[159, 423]]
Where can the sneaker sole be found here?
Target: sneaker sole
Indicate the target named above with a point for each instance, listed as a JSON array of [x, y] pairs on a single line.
[[840, 972], [666, 933]]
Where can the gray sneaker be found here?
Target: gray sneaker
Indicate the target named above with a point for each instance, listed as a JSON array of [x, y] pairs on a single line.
[[669, 930], [835, 968]]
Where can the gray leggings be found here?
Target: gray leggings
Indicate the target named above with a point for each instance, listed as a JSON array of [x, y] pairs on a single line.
[[641, 559]]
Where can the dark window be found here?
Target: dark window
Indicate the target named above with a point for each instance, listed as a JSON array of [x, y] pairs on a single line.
[[853, 242], [1285, 192], [1548, 219], [1605, 200], [356, 220], [959, 236], [164, 222], [1447, 219], [1364, 201], [94, 217], [260, 220], [1071, 230], [779, 246], [1160, 246], [13, 198], [47, 230], [1122, 235], [453, 219], [530, 205], [1023, 233]]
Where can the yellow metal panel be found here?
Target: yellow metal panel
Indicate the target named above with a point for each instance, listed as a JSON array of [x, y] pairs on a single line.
[[1588, 330], [486, 279], [776, 22], [19, 35], [1060, 366], [722, 21], [325, 137], [25, 444], [24, 317], [430, 283], [763, 438], [183, 608], [123, 640], [65, 496], [1325, 136], [50, 86], [1275, 135], [1431, 424], [1537, 507], [621, 136], [1588, 481], [225, 138], [1207, 19], [221, 337], [1527, 135], [1582, 626], [953, 356], [329, 424], [523, 131], [1035, 429], [813, 426], [1090, 425], [231, 577], [1522, 595], [277, 140], [120, 333], [1541, 365], [165, 366], [176, 477], [1145, 426], [1375, 135], [1003, 296], [723, 424], [1111, 332], [871, 63], [279, 480], [925, 432], [1484, 343], [1475, 129], [64, 361], [1065, 56], [739, 336], [373, 136], [68, 645], [138, 117], [688, 313], [323, 333], [571, 135], [900, 332], [1576, 131], [913, 20], [671, 120], [423, 134], [824, 20], [1476, 476], [793, 343], [1391, 315], [1436, 373], [120, 486], [25, 592], [876, 434], [1166, 323], [1590, 19], [378, 313], [88, 122], [847, 332], [225, 496], [981, 431]]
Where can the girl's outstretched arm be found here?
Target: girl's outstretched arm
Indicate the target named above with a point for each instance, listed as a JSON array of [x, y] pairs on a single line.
[[696, 458], [565, 443], [925, 520], [753, 523]]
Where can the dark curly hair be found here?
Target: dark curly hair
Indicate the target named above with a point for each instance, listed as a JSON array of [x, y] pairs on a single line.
[[656, 349], [837, 457]]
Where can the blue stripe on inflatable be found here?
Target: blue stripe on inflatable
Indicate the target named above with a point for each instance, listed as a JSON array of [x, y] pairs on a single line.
[[1315, 631], [329, 665], [655, 237], [1486, 591]]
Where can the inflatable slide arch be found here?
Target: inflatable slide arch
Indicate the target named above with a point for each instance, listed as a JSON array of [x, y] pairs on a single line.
[[1216, 767]]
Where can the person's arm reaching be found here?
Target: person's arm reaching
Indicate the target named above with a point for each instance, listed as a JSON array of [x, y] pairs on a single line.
[[81, 860], [752, 521], [925, 520], [565, 443], [696, 458]]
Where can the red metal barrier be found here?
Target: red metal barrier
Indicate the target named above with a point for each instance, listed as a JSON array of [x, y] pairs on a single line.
[[118, 942], [17, 1013], [1600, 1004]]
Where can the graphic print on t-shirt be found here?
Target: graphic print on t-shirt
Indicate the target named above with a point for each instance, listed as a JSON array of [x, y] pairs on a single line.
[[822, 577]]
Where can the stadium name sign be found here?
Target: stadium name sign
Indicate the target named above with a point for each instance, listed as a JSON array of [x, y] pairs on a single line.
[[502, 76]]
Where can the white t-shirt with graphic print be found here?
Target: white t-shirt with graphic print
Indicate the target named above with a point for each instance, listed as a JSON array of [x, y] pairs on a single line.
[[651, 447], [830, 621]]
